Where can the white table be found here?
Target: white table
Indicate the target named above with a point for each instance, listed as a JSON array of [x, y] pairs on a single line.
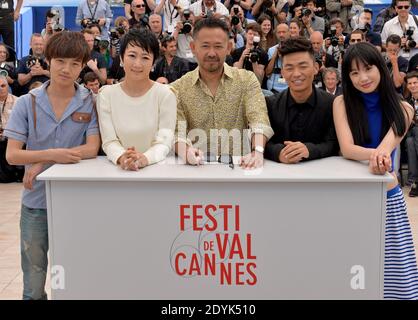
[[117, 234]]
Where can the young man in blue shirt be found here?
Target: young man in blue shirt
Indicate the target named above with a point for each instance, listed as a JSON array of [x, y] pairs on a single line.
[[57, 122]]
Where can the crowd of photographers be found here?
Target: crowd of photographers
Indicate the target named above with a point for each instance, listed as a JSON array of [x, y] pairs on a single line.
[[257, 29]]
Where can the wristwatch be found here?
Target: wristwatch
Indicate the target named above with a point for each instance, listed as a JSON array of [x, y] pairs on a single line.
[[258, 149]]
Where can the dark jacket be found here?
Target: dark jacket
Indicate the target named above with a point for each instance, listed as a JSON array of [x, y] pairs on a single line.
[[318, 133]]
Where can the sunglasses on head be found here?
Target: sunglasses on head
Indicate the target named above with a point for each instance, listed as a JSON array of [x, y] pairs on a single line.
[[403, 7], [140, 6]]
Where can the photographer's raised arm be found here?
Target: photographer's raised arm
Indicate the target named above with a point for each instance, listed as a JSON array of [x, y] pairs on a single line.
[[24, 78], [258, 70], [272, 62], [159, 8], [256, 8]]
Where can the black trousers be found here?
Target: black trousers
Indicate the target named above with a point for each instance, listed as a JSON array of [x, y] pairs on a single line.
[[7, 30]]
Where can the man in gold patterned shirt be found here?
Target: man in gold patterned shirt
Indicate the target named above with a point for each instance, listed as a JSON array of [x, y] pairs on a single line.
[[219, 106]]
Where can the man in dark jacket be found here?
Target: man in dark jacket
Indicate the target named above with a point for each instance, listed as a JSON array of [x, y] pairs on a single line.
[[301, 116]]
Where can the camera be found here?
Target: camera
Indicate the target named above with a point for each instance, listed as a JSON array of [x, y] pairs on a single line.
[[364, 27], [187, 24], [411, 42], [334, 39], [306, 12], [235, 18], [100, 44], [255, 52], [57, 27], [4, 69], [34, 60], [87, 23]]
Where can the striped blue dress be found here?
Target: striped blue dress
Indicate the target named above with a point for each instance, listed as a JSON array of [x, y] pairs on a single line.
[[400, 270]]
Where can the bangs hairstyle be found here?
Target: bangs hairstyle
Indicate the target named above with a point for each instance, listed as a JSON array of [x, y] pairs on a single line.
[[143, 38], [67, 44], [390, 101]]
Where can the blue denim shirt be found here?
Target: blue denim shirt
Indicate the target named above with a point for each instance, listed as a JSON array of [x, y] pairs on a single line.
[[84, 11], [276, 81], [50, 133]]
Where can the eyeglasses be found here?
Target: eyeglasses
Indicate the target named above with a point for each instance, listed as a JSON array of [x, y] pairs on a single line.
[[403, 7], [223, 158], [355, 40], [140, 6]]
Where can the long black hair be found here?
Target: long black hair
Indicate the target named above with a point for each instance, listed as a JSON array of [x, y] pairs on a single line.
[[390, 101]]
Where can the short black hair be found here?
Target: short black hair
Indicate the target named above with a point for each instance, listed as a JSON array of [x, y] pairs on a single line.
[[395, 39], [299, 44], [368, 10], [143, 38], [211, 23]]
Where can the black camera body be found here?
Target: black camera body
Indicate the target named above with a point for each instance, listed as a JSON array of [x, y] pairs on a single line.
[[255, 53], [100, 44], [34, 60], [187, 23], [411, 42], [89, 23], [306, 12], [5, 69], [334, 39], [235, 19]]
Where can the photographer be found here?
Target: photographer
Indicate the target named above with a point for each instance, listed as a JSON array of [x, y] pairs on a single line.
[[140, 17], [149, 6], [365, 25], [335, 42], [171, 9], [8, 173], [33, 67], [342, 9], [397, 65], [207, 8], [322, 58], [97, 62], [310, 22], [404, 25], [267, 7], [239, 25], [411, 140], [7, 68], [169, 66], [8, 16], [252, 57], [94, 12], [116, 33], [183, 34], [48, 31], [275, 81], [245, 5]]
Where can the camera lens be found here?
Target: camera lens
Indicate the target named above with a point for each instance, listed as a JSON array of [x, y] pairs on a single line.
[[235, 20]]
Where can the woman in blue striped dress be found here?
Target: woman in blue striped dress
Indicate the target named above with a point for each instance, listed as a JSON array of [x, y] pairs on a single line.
[[371, 120]]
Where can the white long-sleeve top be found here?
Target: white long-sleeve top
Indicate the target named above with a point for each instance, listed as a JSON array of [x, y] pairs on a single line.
[[146, 123]]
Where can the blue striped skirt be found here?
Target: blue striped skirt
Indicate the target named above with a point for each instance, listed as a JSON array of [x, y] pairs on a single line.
[[401, 273]]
